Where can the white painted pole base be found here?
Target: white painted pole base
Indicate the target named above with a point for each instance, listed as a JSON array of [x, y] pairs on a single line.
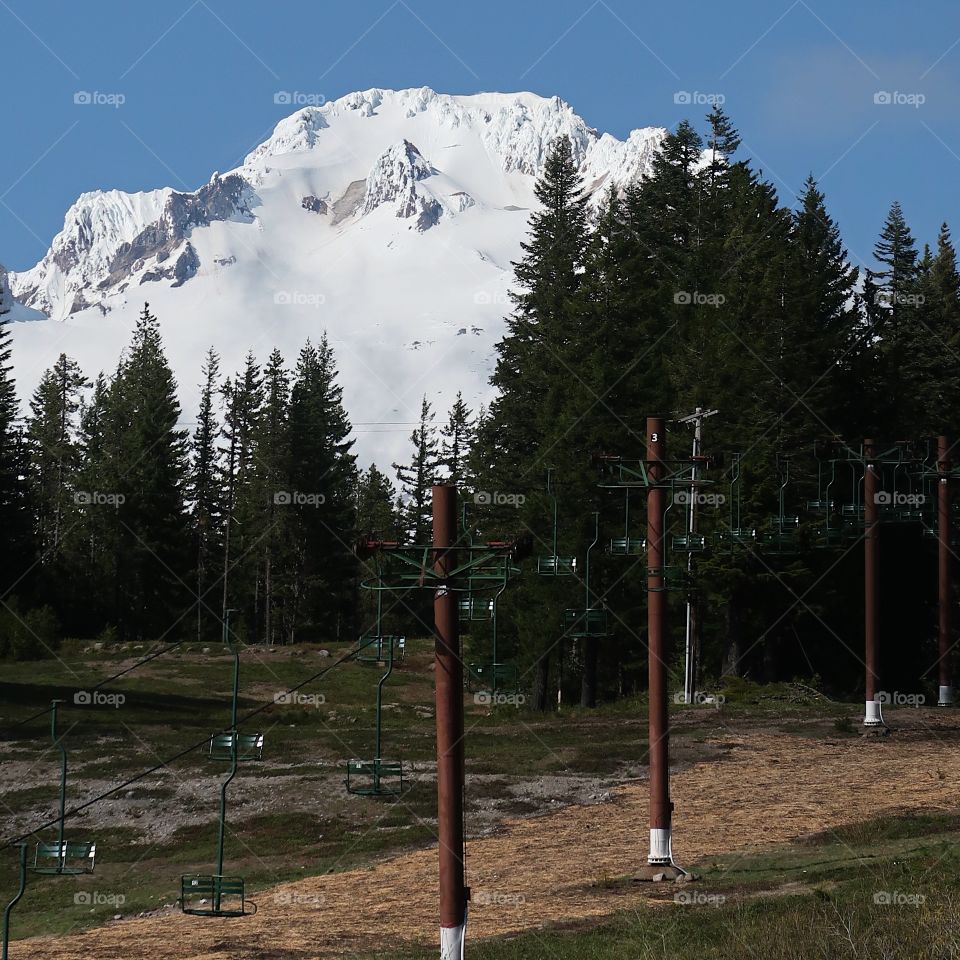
[[451, 942], [946, 697], [660, 846], [660, 865], [872, 716]]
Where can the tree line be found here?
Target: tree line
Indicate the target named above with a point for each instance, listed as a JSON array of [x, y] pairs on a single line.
[[698, 287], [694, 287], [120, 523]]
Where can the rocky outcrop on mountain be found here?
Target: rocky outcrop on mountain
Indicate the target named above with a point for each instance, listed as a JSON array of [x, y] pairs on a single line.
[[109, 237], [393, 180], [185, 267], [6, 296], [313, 204], [220, 199]]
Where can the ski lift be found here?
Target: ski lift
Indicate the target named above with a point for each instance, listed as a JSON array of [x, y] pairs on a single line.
[[589, 620], [216, 895], [554, 565]]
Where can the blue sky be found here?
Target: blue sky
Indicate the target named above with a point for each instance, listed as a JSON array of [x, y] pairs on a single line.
[[198, 80]]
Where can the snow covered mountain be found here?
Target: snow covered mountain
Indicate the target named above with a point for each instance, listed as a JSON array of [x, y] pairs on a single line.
[[387, 218]]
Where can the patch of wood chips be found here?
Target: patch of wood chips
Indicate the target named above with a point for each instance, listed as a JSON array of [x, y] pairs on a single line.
[[768, 789]]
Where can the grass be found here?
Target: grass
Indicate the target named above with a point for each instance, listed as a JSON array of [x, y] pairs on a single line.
[[180, 698], [886, 888]]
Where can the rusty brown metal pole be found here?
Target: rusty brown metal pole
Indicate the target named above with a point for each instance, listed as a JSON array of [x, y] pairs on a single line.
[[945, 697], [871, 569], [448, 678], [660, 864]]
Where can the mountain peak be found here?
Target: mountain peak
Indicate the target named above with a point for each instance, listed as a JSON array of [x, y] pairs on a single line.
[[394, 178], [388, 218]]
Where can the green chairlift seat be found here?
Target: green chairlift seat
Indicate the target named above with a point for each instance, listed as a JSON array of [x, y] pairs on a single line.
[[853, 521], [736, 537], [820, 506], [557, 566], [476, 608], [931, 533], [828, 536], [249, 746], [492, 676], [901, 515], [203, 895], [375, 778], [554, 565], [785, 524], [377, 648], [64, 859], [781, 534], [674, 578], [628, 546], [590, 622], [690, 543]]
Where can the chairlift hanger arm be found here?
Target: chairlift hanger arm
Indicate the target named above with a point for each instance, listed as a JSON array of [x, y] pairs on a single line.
[[694, 417]]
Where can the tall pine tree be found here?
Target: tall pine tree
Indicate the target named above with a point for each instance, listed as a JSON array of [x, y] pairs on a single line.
[[323, 477], [205, 495]]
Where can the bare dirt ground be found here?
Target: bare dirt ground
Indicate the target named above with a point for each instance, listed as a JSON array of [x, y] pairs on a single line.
[[768, 788]]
